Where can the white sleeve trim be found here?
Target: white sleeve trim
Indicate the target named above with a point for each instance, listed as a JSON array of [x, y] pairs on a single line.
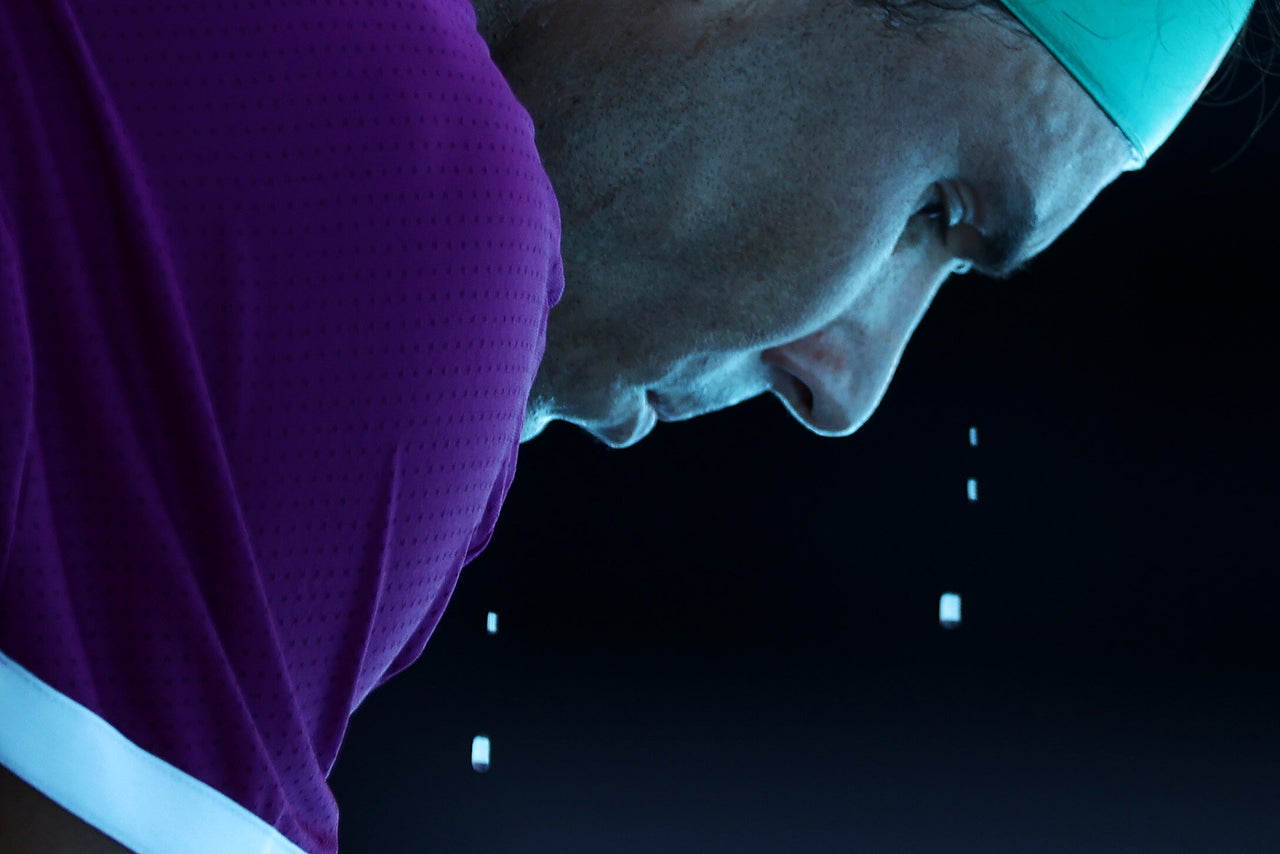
[[87, 766]]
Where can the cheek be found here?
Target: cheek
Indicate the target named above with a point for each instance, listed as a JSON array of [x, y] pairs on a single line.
[[845, 222], [779, 310], [781, 264], [843, 260]]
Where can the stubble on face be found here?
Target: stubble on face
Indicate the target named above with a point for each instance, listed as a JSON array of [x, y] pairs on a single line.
[[687, 193], [733, 182]]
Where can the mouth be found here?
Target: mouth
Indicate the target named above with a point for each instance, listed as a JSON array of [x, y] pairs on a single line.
[[663, 409], [627, 433], [659, 407]]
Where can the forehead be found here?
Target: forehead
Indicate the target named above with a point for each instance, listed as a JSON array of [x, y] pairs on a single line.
[[1029, 132]]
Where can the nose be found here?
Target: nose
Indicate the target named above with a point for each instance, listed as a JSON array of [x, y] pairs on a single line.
[[832, 380]]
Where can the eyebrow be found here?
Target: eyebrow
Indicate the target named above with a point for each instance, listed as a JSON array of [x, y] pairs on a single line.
[[1004, 251]]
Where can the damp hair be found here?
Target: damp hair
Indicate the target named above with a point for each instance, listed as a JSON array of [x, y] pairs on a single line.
[[918, 14], [1249, 68]]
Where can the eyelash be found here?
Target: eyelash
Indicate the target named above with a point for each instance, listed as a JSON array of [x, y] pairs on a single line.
[[937, 209]]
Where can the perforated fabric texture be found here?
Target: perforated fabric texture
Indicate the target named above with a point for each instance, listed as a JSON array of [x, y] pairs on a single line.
[[274, 283]]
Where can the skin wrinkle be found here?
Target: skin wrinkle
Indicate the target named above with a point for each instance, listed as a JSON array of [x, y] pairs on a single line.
[[739, 187], [645, 162]]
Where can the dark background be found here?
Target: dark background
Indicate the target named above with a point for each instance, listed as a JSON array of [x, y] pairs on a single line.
[[726, 639]]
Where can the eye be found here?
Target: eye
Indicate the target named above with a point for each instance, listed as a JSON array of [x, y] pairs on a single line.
[[943, 207], [936, 207]]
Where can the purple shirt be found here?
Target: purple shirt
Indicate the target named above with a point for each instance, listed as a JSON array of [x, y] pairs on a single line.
[[274, 282]]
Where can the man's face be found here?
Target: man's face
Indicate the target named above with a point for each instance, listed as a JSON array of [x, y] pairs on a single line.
[[758, 197]]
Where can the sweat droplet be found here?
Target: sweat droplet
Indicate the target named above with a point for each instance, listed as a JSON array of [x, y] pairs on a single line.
[[949, 610], [480, 753]]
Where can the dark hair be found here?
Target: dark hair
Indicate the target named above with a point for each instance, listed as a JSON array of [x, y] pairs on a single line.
[[1256, 49], [896, 13], [1245, 71]]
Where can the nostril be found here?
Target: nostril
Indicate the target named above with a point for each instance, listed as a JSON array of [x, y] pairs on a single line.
[[819, 398], [804, 397], [828, 381], [795, 394]]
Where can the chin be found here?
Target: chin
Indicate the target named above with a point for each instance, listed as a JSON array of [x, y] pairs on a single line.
[[629, 430], [624, 437], [533, 427]]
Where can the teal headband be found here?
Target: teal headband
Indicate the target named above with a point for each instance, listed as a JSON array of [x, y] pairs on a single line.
[[1144, 61]]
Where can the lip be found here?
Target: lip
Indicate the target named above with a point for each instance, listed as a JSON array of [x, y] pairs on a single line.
[[633, 430], [659, 407]]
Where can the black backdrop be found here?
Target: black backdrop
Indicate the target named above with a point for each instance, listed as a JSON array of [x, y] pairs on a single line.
[[726, 639]]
